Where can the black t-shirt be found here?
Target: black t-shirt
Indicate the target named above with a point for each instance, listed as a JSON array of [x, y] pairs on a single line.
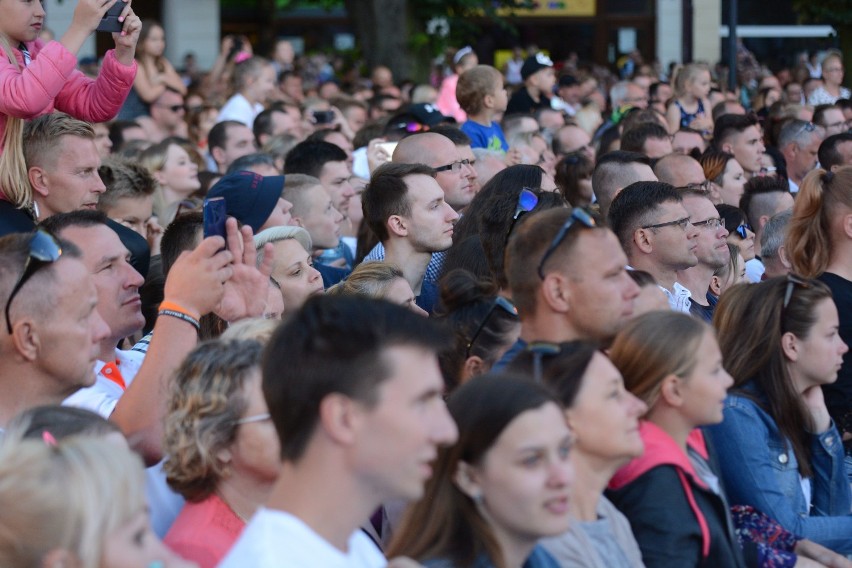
[[838, 395], [14, 220], [522, 103]]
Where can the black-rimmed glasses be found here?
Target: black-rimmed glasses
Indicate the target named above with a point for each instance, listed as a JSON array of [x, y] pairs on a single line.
[[578, 215], [499, 302], [527, 200], [455, 167], [682, 223], [44, 249]]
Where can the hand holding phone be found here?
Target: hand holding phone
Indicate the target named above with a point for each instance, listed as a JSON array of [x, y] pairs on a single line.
[[215, 215], [109, 23]]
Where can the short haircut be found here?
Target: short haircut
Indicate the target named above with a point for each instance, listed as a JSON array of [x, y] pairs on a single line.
[[247, 162], [819, 113], [309, 157], [43, 136], [281, 233], [387, 194], [218, 136], [184, 233], [84, 218], [633, 140], [296, 189], [116, 132], [828, 154], [798, 132], [456, 136], [124, 180], [248, 69], [335, 345], [729, 125], [774, 234], [475, 84], [635, 205], [760, 196], [263, 124], [611, 174]]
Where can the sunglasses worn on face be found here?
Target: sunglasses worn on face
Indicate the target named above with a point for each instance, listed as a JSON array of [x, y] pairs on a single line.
[[44, 249], [578, 215], [742, 231], [499, 302]]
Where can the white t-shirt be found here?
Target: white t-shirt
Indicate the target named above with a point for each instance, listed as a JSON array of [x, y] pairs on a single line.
[[240, 109], [275, 539], [102, 396]]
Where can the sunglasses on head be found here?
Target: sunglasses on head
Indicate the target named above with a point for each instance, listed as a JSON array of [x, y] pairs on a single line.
[[498, 302], [578, 216], [527, 200], [44, 249]]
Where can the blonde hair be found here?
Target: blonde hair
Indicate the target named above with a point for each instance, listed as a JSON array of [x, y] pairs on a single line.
[[66, 495], [154, 160], [14, 179], [687, 73], [370, 279]]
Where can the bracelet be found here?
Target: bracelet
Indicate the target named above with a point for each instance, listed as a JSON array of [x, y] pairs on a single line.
[[181, 316], [167, 305]]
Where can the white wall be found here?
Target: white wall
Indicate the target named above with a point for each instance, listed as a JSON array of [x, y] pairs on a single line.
[[669, 31], [192, 25], [59, 18], [707, 46]]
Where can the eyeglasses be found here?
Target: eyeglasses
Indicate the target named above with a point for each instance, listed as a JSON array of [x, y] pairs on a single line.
[[703, 187], [578, 215], [251, 419], [409, 127], [682, 223], [44, 249], [743, 230], [455, 167], [766, 170], [711, 223], [527, 200], [806, 127], [539, 349], [499, 302]]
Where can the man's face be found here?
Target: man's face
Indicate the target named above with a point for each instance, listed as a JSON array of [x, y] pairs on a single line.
[[575, 139], [292, 87], [117, 282], [601, 293], [805, 158], [845, 150], [74, 331], [430, 224], [833, 121], [674, 248], [321, 219], [712, 241], [168, 112], [398, 437], [656, 148], [684, 142], [285, 123], [72, 182], [280, 215], [356, 117], [747, 147], [239, 143], [637, 97], [335, 177], [102, 141], [459, 186], [133, 212], [544, 80]]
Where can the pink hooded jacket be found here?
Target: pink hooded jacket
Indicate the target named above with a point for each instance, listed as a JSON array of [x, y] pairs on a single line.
[[53, 82]]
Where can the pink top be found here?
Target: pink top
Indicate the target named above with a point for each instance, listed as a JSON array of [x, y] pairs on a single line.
[[53, 82], [447, 102], [204, 532]]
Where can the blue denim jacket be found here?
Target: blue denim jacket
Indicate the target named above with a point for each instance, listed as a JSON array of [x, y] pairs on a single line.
[[759, 468]]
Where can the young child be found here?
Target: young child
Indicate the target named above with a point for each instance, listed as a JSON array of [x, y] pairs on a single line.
[[481, 94], [129, 199], [254, 81], [52, 81], [691, 109]]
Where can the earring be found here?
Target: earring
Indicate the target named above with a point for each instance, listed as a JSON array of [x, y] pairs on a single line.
[[477, 498]]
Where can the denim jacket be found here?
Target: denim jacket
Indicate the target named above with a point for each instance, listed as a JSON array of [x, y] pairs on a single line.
[[759, 468]]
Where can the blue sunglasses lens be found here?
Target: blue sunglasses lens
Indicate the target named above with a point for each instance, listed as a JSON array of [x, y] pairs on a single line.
[[527, 200]]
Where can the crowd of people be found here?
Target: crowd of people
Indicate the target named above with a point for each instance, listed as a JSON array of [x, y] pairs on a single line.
[[536, 317]]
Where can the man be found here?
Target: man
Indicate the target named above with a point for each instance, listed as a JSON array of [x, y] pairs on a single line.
[[648, 138], [405, 207], [763, 198], [537, 74], [326, 162], [166, 117], [688, 142], [656, 233], [681, 171], [615, 171], [799, 143], [577, 288], [358, 427], [835, 151], [628, 94], [228, 141], [570, 139], [62, 164], [258, 163], [313, 210], [773, 251], [830, 118], [274, 121], [568, 99], [712, 252], [50, 336], [739, 135]]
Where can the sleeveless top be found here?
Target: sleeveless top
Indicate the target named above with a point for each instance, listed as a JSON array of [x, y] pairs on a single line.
[[686, 118]]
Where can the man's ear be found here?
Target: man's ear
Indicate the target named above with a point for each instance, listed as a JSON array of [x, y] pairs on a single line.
[[554, 290], [397, 225], [218, 155], [25, 339], [715, 285], [38, 180]]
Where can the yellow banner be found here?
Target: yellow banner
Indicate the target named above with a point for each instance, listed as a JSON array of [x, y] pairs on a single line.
[[559, 8]]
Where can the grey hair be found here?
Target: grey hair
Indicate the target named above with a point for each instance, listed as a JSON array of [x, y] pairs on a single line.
[[774, 233], [797, 131]]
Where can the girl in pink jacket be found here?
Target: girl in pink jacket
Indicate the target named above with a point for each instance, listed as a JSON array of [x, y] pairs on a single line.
[[38, 78]]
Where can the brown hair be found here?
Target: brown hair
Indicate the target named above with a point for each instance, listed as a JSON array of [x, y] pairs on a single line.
[[475, 84], [824, 197]]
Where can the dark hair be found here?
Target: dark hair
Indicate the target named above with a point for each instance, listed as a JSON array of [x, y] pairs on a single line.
[[249, 161], [466, 305], [263, 123], [828, 153], [642, 278], [218, 135], [63, 421], [611, 174], [55, 224], [759, 359], [635, 206], [116, 132], [334, 344], [760, 196], [180, 235], [732, 216], [633, 140], [387, 194], [446, 523], [468, 254], [310, 156], [730, 124], [124, 179], [819, 113], [569, 171], [562, 371]]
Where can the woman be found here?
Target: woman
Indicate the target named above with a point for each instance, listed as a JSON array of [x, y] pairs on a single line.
[[740, 233], [78, 501], [779, 450], [379, 280], [484, 326], [500, 488], [223, 451], [732, 273], [155, 74], [574, 179], [726, 175], [176, 175], [604, 422], [293, 272], [832, 82]]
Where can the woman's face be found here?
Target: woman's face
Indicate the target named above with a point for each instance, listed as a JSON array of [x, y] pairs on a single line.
[[179, 173], [295, 274], [704, 391], [399, 292], [832, 71], [525, 477], [255, 453], [605, 416], [820, 354], [743, 237], [134, 545], [733, 183], [155, 44]]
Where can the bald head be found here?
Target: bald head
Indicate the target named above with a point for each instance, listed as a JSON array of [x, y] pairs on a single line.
[[679, 170], [426, 148]]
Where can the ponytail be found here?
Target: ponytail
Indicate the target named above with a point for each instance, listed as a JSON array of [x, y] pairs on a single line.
[[14, 181]]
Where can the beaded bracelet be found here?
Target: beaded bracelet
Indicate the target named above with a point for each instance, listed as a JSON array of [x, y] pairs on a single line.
[[181, 316]]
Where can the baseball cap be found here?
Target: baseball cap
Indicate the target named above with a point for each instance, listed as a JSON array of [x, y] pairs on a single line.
[[249, 197], [534, 64]]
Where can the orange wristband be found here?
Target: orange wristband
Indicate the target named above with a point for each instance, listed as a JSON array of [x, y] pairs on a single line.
[[167, 305]]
